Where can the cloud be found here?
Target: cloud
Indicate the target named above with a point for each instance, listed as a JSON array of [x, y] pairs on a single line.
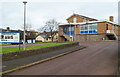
[[60, 0], [40, 12], [119, 13]]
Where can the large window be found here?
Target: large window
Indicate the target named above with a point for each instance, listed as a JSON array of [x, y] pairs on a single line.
[[85, 20], [88, 29], [74, 20], [68, 30]]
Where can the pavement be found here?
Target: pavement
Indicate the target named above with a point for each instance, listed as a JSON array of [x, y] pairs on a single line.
[[27, 45], [31, 59], [99, 58]]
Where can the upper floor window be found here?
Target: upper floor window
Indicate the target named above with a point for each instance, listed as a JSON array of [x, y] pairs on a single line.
[[85, 20], [74, 20]]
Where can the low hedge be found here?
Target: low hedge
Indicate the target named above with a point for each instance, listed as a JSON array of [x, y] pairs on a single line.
[[26, 53]]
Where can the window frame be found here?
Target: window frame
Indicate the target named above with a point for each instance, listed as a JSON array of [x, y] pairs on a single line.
[[91, 28], [74, 20]]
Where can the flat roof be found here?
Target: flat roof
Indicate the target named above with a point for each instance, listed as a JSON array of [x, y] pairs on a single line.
[[90, 22]]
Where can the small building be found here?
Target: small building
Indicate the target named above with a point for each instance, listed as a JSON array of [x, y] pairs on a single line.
[[83, 28], [30, 35], [41, 38], [45, 37]]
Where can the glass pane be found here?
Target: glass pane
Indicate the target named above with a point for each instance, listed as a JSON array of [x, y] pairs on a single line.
[[90, 27], [72, 28], [74, 20], [82, 28], [86, 28]]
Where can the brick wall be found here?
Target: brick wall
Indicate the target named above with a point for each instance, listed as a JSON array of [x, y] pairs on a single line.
[[89, 37], [79, 19], [77, 29], [26, 53], [101, 27]]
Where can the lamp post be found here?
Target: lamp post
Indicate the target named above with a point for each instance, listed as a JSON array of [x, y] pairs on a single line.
[[24, 22], [119, 12]]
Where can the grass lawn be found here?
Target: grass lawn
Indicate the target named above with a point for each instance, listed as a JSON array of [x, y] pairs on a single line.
[[7, 50], [43, 42], [34, 43]]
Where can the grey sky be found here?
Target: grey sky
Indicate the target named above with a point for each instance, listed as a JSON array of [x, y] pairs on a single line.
[[119, 13], [39, 12]]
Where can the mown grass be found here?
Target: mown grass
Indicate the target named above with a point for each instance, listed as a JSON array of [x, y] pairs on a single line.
[[33, 43], [43, 42], [7, 50]]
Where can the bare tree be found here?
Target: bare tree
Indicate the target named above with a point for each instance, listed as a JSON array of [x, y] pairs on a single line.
[[50, 26], [30, 33]]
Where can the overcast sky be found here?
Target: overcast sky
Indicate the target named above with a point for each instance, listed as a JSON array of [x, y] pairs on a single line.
[[39, 11]]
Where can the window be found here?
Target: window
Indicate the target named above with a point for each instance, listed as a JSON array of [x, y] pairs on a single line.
[[72, 28], [88, 28], [85, 20], [74, 20], [82, 28], [68, 30]]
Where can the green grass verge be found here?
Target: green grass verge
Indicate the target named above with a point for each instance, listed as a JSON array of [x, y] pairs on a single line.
[[7, 50], [44, 42], [34, 43]]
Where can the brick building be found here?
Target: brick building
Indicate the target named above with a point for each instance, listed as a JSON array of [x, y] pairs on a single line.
[[82, 28]]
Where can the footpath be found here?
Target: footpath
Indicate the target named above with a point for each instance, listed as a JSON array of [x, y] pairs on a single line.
[[21, 63]]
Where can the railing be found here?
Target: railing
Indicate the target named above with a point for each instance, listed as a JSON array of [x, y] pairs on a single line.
[[115, 34], [112, 31], [108, 31]]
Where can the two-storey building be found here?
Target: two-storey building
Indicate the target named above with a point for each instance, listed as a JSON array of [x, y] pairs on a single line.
[[82, 28]]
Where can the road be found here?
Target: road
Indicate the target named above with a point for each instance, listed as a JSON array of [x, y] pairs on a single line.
[[99, 58], [27, 45]]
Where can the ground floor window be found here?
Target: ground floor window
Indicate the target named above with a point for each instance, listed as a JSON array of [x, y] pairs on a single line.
[[68, 30], [88, 29]]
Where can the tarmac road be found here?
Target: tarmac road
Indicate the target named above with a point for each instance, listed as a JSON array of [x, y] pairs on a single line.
[[99, 58]]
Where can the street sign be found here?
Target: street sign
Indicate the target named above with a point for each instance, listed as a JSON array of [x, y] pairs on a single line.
[[9, 37]]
